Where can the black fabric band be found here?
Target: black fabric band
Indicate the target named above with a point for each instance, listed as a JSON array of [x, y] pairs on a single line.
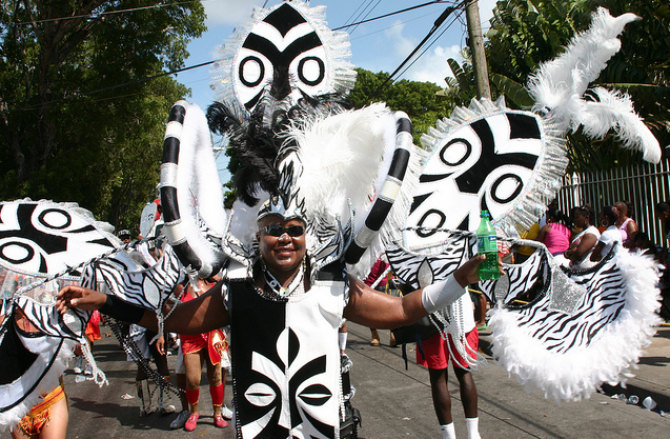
[[120, 310]]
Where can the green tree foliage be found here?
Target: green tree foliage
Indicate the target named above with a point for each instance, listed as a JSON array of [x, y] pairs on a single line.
[[79, 121], [525, 33], [418, 99]]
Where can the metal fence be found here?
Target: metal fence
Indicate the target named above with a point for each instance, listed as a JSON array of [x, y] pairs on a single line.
[[644, 185]]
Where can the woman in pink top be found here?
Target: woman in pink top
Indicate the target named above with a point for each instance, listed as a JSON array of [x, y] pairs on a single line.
[[626, 225], [555, 234]]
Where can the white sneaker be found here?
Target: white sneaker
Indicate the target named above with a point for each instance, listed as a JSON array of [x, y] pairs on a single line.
[[77, 365], [180, 420], [226, 413], [88, 370]]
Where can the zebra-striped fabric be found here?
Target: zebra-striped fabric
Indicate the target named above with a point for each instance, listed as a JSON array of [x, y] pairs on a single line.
[[47, 320], [566, 332], [122, 276]]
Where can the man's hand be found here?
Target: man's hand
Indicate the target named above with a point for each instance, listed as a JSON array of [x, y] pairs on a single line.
[[468, 273], [73, 296]]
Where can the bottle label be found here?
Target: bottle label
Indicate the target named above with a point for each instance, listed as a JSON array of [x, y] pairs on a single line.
[[487, 244]]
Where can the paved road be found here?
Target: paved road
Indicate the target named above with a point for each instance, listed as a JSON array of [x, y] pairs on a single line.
[[395, 402]]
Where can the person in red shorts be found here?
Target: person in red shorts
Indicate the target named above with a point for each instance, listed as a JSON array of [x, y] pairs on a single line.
[[198, 349], [463, 352]]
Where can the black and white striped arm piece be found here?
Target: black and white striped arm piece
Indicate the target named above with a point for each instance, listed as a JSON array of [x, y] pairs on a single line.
[[191, 192], [388, 193]]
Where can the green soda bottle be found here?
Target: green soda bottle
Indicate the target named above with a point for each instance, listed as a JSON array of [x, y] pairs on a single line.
[[487, 244]]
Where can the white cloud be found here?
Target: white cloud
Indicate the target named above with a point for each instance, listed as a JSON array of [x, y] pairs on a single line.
[[486, 12], [228, 11], [402, 45], [431, 67]]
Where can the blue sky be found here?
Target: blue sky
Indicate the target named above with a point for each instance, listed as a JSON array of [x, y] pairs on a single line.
[[380, 45]]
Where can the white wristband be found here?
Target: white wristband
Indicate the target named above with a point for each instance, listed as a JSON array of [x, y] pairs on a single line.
[[436, 296], [343, 341]]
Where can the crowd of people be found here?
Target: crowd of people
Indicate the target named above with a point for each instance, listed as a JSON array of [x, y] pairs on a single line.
[[583, 237]]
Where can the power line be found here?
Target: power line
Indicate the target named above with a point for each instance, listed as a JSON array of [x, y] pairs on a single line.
[[366, 15], [137, 81], [392, 26], [394, 13], [436, 25], [119, 11], [430, 44], [351, 17]]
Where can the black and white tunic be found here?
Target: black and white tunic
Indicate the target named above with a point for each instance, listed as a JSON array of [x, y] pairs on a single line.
[[285, 356]]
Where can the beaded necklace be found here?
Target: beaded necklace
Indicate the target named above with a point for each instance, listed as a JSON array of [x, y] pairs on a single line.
[[296, 283]]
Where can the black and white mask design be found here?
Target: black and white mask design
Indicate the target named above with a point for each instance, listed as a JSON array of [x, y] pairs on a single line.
[[46, 238], [495, 162], [283, 58], [282, 55]]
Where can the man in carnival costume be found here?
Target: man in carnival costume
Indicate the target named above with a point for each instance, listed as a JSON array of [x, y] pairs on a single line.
[[287, 362]]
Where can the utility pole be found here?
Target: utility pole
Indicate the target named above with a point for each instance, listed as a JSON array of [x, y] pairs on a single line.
[[476, 43]]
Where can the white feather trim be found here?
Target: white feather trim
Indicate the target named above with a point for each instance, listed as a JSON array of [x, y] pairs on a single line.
[[341, 156], [243, 224], [577, 373], [344, 160], [200, 193]]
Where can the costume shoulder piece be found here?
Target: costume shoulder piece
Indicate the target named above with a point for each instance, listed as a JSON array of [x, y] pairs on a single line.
[[41, 245]]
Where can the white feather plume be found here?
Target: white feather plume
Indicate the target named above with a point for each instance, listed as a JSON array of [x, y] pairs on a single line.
[[614, 110], [340, 157], [344, 160], [559, 84]]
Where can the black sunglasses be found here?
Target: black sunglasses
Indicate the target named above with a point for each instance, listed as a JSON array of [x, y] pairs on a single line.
[[277, 230]]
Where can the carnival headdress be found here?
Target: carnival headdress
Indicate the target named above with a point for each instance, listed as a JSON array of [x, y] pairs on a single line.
[[282, 82], [282, 55]]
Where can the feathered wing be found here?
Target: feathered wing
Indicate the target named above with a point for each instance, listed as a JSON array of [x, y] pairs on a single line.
[[559, 85], [341, 166], [568, 343]]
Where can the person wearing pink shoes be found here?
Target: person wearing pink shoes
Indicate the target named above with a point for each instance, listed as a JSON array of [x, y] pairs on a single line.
[[198, 349]]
